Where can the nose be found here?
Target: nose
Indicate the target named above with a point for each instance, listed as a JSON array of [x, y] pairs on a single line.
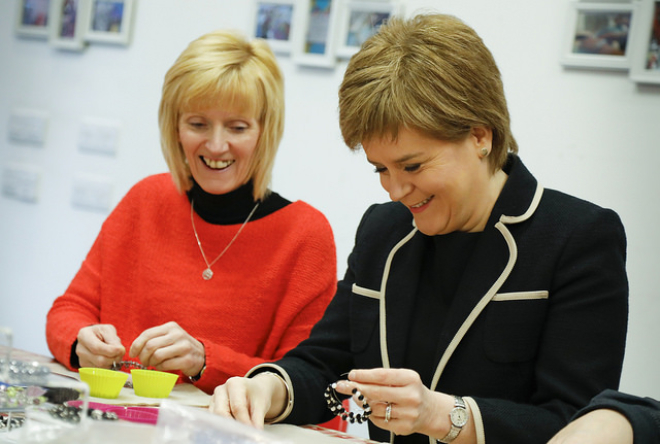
[[397, 187], [217, 141]]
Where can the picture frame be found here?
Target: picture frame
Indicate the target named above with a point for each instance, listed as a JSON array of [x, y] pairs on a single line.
[[598, 35], [110, 21], [66, 24], [276, 21], [359, 20], [645, 67], [32, 18], [315, 39]]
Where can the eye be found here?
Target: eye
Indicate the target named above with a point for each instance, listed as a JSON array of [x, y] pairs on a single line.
[[412, 168], [380, 170], [196, 123]]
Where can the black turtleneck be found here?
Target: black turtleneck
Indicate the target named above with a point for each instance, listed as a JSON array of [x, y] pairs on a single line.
[[233, 207]]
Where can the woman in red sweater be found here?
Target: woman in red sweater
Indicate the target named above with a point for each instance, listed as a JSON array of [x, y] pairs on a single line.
[[203, 270]]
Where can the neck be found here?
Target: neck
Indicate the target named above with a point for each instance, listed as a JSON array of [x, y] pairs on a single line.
[[493, 190], [223, 209]]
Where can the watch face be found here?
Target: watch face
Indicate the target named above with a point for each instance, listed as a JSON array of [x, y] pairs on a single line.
[[459, 417]]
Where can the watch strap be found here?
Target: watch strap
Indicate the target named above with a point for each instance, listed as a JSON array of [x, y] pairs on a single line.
[[459, 403], [198, 376]]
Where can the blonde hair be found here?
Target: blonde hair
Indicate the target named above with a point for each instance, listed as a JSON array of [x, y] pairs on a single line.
[[432, 74], [222, 68]]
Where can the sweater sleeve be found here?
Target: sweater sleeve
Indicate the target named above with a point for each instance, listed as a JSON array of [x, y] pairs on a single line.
[[311, 283], [643, 413], [78, 307]]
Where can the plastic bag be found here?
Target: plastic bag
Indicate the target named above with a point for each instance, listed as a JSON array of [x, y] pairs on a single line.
[[179, 424]]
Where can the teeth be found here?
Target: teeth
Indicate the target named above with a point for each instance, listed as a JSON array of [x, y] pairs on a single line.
[[422, 203], [217, 164]]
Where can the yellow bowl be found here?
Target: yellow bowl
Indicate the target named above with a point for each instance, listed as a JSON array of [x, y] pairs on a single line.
[[152, 383], [103, 383]]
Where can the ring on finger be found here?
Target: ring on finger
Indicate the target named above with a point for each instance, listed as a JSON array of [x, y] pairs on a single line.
[[388, 412]]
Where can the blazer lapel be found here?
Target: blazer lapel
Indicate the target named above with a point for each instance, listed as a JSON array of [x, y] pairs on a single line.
[[400, 288], [492, 260], [482, 277]]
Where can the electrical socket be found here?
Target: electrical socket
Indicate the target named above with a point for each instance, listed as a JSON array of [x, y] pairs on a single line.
[[92, 193], [28, 126], [21, 182], [98, 136]]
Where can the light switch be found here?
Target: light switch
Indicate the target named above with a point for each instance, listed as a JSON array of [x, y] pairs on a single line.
[[28, 126], [98, 136], [21, 182], [92, 193]]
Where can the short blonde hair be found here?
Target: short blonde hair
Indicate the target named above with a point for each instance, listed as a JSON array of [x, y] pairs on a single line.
[[432, 74], [222, 68]]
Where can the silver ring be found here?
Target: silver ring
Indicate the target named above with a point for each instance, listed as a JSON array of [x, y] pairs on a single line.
[[388, 412]]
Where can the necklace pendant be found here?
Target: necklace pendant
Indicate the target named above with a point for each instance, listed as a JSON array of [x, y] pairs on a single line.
[[208, 274]]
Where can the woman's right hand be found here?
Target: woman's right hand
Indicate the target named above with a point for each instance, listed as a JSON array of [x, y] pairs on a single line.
[[250, 400], [99, 346]]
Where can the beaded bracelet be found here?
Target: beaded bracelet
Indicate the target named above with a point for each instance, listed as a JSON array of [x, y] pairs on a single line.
[[72, 414], [336, 407], [128, 365]]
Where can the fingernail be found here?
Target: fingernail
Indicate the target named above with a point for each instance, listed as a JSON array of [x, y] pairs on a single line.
[[343, 385]]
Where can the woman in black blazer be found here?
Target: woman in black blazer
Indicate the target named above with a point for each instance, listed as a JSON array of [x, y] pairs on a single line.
[[477, 306]]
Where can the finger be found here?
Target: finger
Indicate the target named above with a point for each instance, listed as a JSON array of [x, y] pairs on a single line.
[[94, 344], [238, 401], [139, 342], [383, 376], [88, 359], [219, 403], [108, 334]]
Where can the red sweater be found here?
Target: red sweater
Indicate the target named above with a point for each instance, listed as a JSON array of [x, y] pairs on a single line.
[[145, 269]]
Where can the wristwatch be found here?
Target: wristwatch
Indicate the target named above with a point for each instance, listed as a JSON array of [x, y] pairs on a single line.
[[459, 417], [198, 376]]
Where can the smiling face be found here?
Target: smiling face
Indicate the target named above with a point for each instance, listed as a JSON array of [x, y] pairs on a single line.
[[219, 146], [447, 186]]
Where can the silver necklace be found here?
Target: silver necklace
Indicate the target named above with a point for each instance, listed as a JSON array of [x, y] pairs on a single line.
[[208, 274]]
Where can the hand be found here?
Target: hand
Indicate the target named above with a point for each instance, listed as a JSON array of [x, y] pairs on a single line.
[[99, 346], [250, 400], [169, 347], [414, 408], [596, 427]]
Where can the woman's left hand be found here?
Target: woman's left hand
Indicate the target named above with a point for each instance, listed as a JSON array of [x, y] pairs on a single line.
[[169, 347], [413, 407]]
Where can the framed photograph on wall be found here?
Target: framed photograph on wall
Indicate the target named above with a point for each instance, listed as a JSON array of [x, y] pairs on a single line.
[[66, 24], [597, 35], [275, 21], [110, 21], [315, 41], [32, 18], [359, 20], [645, 67]]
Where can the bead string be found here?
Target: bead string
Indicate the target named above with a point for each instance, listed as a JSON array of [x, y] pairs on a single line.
[[336, 407]]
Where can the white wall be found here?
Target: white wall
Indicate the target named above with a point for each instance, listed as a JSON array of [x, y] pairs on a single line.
[[592, 134]]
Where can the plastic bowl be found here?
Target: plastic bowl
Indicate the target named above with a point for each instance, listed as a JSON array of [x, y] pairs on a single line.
[[152, 383], [103, 383]]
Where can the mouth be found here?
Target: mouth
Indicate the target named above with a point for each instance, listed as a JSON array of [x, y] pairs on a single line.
[[217, 164], [422, 203]]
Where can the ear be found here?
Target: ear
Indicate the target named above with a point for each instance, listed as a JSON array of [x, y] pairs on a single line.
[[483, 137]]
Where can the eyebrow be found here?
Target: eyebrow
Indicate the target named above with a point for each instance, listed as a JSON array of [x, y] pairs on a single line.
[[401, 159]]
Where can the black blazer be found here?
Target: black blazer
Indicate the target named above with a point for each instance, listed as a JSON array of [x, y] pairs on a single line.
[[536, 329]]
